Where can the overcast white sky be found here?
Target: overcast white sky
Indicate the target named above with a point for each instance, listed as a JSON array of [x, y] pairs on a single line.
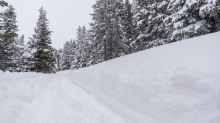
[[65, 16]]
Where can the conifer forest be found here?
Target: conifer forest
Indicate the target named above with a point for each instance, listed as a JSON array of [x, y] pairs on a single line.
[[118, 28]]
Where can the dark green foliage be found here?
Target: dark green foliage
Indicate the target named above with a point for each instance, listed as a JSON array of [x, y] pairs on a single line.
[[8, 39], [44, 60], [127, 18], [212, 23], [2, 4]]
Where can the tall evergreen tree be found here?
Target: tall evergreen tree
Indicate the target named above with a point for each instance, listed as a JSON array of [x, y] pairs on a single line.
[[139, 23], [44, 60], [150, 25], [107, 30], [81, 46], [98, 31], [80, 50], [2, 4], [118, 45], [69, 56], [58, 56], [31, 48], [20, 50], [127, 24], [8, 40]]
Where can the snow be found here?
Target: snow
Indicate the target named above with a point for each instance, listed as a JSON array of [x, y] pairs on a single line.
[[178, 24], [46, 50], [207, 9], [174, 83], [191, 28], [140, 22], [161, 4]]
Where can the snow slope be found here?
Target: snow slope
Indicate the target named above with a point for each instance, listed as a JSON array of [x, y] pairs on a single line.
[[174, 83]]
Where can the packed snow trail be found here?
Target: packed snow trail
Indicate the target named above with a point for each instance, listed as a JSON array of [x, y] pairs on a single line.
[[174, 83]]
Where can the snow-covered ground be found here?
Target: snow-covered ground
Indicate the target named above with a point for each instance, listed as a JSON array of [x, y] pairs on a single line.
[[174, 83]]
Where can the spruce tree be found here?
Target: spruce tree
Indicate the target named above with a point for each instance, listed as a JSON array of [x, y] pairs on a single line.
[[8, 40], [2, 4], [106, 30], [44, 60], [20, 54], [98, 32], [81, 46], [191, 18], [127, 24], [31, 48], [69, 57], [151, 30], [58, 54], [140, 24], [118, 45]]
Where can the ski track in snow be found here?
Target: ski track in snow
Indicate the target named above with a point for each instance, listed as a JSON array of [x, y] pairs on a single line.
[[174, 83]]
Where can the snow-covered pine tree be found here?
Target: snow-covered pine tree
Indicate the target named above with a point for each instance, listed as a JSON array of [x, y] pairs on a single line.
[[118, 46], [69, 56], [31, 48], [139, 23], [2, 4], [44, 60], [20, 49], [190, 18], [106, 30], [135, 18], [108, 16], [75, 54], [91, 49], [85, 54], [66, 62], [81, 46], [127, 24], [58, 54], [8, 40], [152, 31], [98, 32], [211, 13], [88, 50]]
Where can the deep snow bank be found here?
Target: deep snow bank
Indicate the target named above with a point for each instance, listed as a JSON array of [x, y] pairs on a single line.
[[174, 83], [38, 98]]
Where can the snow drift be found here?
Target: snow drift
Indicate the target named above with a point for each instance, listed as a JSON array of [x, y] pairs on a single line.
[[174, 83]]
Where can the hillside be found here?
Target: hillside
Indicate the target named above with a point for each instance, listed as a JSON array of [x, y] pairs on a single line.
[[173, 83]]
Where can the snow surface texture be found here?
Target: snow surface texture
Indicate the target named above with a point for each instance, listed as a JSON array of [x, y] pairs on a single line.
[[174, 83]]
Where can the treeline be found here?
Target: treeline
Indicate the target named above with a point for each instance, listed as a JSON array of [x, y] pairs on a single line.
[[118, 28]]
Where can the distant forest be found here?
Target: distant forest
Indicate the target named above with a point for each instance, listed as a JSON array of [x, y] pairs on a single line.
[[118, 28]]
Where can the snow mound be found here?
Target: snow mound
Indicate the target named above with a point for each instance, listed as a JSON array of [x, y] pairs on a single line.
[[174, 83]]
